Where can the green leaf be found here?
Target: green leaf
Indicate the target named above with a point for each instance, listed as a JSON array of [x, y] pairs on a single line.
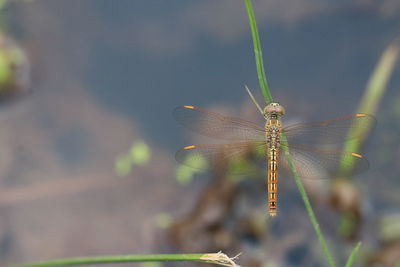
[[140, 153], [184, 174], [123, 165]]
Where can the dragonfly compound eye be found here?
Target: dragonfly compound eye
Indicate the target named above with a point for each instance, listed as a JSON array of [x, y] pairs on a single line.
[[274, 109]]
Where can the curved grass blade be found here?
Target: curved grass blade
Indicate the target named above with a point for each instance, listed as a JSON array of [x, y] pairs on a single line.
[[215, 258], [375, 89], [353, 255]]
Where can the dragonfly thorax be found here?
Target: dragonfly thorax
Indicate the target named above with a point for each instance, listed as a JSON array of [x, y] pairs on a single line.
[[273, 131]]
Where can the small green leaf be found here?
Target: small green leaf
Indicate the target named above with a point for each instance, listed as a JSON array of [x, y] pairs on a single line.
[[184, 174], [347, 224], [123, 165], [140, 153]]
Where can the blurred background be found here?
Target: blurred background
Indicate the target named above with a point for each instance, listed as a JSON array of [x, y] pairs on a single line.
[[88, 140]]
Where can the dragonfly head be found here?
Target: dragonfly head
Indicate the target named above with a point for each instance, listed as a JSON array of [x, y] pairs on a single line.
[[274, 110]]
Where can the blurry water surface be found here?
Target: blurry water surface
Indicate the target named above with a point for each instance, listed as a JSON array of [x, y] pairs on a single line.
[[106, 73]]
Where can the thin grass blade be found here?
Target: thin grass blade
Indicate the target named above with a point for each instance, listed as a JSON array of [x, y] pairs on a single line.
[[353, 255], [371, 99]]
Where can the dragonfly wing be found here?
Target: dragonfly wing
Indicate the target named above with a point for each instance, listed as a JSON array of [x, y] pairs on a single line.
[[236, 158], [212, 124], [314, 163], [334, 131]]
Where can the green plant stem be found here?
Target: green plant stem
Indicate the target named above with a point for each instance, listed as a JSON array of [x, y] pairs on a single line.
[[216, 258], [308, 206], [268, 98], [353, 255], [370, 101], [258, 53]]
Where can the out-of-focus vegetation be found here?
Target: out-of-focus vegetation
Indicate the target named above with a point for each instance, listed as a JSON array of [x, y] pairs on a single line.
[[184, 174], [372, 97], [58, 208], [342, 190], [138, 155], [14, 69]]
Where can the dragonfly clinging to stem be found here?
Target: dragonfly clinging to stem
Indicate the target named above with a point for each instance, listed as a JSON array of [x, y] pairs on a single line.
[[302, 140]]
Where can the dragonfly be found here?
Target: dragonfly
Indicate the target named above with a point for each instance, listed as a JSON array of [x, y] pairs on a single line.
[[309, 144]]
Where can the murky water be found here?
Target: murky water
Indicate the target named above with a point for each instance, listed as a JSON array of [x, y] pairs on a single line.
[[108, 73]]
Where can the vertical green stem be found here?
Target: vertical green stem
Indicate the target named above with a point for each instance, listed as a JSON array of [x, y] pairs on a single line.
[[308, 206], [268, 98], [262, 79]]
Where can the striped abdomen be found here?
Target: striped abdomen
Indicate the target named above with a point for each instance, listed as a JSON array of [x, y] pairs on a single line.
[[273, 133], [273, 156]]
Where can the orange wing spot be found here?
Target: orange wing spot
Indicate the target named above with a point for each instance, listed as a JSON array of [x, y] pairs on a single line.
[[189, 147], [361, 115], [356, 155], [189, 107]]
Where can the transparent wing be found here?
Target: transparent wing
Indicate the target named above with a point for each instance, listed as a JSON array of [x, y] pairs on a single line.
[[212, 124], [334, 131], [237, 158], [314, 163]]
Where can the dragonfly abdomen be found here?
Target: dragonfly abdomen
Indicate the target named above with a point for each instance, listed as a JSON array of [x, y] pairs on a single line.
[[273, 130], [272, 181]]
